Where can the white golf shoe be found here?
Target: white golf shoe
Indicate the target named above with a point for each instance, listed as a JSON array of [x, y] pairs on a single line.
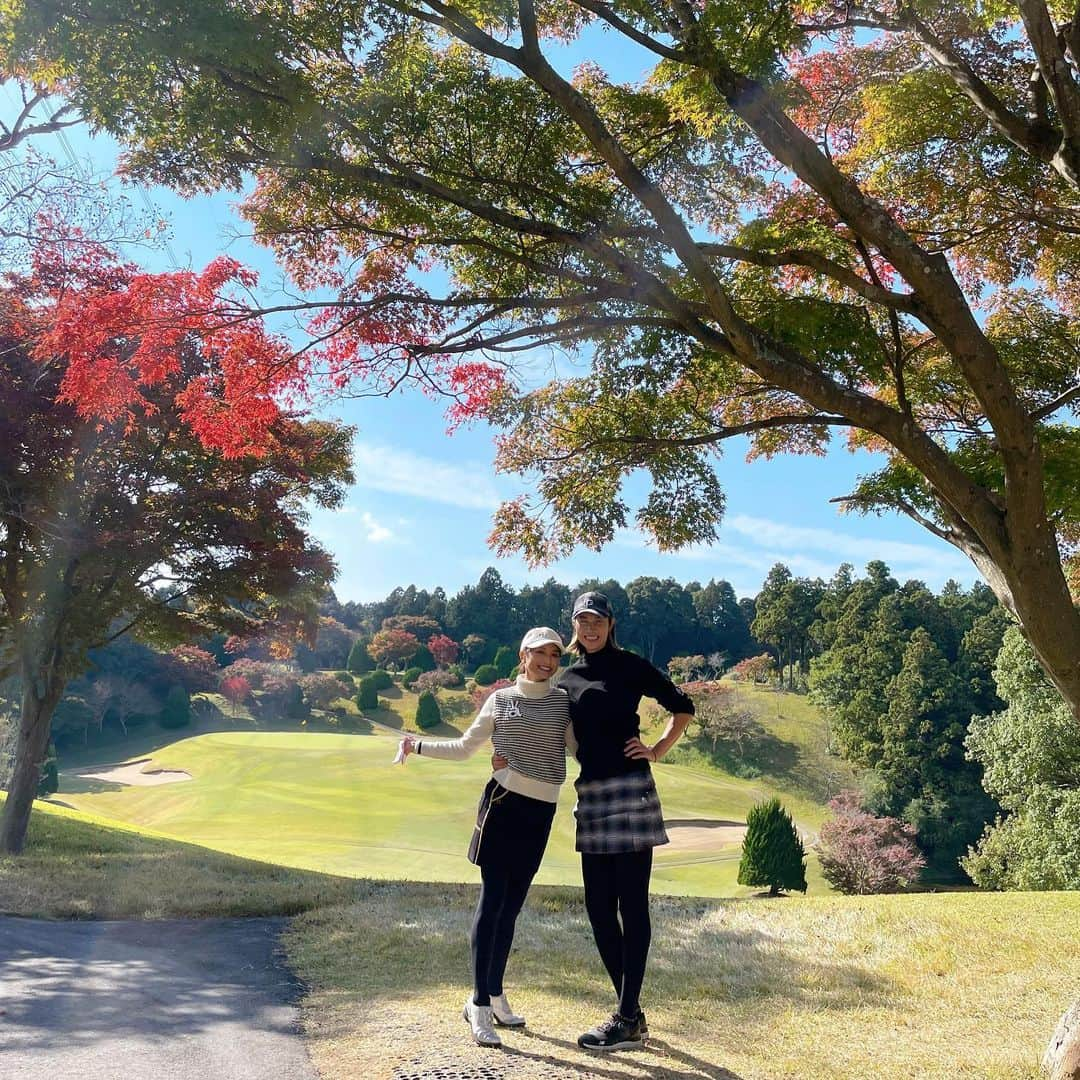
[[481, 1021], [504, 1015]]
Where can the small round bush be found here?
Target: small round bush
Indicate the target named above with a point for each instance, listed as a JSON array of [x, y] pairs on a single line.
[[368, 697], [381, 679], [434, 681], [343, 676], [486, 674], [410, 676], [428, 714], [177, 710]]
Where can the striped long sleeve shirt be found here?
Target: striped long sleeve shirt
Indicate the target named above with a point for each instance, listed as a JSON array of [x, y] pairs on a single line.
[[529, 725]]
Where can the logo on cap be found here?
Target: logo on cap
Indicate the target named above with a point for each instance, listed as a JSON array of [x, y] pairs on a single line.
[[595, 602]]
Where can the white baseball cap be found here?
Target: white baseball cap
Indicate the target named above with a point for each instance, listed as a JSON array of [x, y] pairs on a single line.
[[541, 635]]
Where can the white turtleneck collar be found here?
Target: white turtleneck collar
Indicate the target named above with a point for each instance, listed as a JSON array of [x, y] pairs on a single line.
[[528, 688]]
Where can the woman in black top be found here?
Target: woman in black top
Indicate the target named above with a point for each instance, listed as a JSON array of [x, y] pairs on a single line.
[[619, 819]]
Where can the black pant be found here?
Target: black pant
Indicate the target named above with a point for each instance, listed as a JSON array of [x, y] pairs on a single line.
[[502, 895], [617, 887]]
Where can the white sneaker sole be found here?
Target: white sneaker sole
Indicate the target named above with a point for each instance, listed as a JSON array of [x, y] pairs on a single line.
[[509, 1023]]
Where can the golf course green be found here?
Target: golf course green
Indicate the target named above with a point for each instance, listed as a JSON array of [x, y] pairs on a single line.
[[334, 803]]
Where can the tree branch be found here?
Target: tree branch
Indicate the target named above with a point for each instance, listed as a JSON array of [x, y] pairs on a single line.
[[1057, 74], [604, 12], [1072, 394], [813, 260]]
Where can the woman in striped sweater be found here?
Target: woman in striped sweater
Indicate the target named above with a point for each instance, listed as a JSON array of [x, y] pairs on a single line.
[[529, 725]]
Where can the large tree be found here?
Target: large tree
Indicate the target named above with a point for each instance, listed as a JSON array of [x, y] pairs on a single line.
[[784, 229], [116, 517]]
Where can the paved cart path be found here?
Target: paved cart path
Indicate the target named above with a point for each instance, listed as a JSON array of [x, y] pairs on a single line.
[[206, 999]]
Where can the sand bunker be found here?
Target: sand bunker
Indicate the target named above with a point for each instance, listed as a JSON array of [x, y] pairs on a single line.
[[703, 834], [133, 775]]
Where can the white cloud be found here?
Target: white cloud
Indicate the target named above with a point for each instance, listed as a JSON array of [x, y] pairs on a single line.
[[376, 533], [401, 472], [933, 558], [811, 552]]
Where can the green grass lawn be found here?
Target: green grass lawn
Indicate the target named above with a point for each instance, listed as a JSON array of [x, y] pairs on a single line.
[[335, 804]]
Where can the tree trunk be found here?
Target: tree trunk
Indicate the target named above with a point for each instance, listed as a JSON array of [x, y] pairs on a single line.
[[40, 696], [1062, 1058]]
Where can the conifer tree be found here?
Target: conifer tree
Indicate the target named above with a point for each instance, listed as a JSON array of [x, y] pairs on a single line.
[[772, 852], [428, 714], [360, 662]]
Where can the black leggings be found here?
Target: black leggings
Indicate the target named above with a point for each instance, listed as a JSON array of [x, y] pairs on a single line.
[[502, 895], [617, 886]]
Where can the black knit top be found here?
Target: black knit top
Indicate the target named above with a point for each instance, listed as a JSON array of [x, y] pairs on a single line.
[[605, 689]]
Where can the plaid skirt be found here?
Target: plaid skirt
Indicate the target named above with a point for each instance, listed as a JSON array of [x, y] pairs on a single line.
[[618, 814]]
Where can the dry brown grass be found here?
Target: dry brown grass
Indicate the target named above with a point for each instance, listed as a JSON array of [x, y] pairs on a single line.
[[927, 987]]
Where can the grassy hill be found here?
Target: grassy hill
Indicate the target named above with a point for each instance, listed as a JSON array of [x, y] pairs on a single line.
[[335, 804], [930, 986]]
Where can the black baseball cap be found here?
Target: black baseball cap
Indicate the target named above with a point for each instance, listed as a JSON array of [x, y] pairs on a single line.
[[596, 602]]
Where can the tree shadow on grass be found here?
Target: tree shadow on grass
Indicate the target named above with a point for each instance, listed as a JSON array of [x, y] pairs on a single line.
[[156, 984], [762, 754], [693, 955]]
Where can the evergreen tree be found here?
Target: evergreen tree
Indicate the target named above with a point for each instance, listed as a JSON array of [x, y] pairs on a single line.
[[423, 659], [367, 698], [428, 714], [772, 852], [504, 661], [177, 710], [1031, 761], [360, 662]]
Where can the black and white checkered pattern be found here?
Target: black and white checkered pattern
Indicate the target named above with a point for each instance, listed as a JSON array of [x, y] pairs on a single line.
[[619, 814]]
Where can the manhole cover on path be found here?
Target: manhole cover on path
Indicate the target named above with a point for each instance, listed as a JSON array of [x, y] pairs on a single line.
[[506, 1068]]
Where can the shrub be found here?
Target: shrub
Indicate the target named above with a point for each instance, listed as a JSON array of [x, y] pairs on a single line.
[[321, 689], [486, 674], [428, 714], [480, 694], [862, 854], [368, 697], [410, 676], [177, 710], [433, 681], [756, 669], [359, 661], [505, 659], [381, 679], [772, 852]]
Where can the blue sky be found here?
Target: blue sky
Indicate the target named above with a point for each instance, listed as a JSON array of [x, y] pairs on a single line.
[[421, 507]]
